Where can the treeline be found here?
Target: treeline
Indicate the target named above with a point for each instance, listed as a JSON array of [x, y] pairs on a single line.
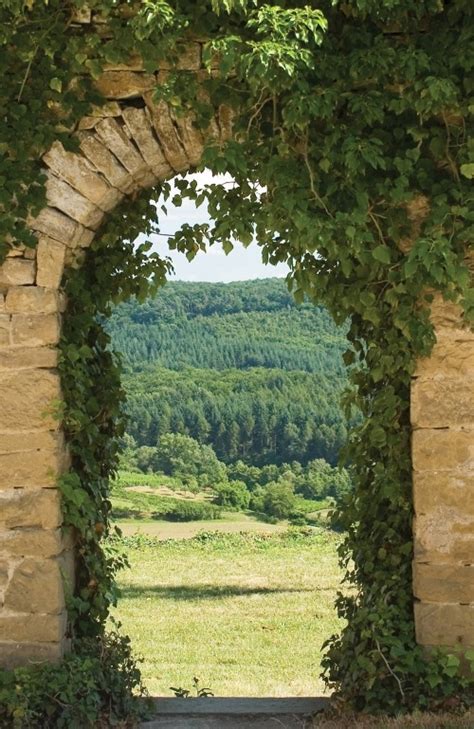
[[287, 491], [259, 416], [236, 366]]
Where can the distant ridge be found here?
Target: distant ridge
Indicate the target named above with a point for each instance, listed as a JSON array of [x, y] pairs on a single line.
[[220, 325], [238, 366]]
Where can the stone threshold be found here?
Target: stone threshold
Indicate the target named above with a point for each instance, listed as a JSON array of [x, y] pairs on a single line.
[[234, 713]]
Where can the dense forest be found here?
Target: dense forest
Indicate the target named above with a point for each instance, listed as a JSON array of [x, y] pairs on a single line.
[[236, 366], [219, 326]]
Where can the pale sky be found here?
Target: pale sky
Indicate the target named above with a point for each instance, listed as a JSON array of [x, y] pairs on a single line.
[[241, 264]]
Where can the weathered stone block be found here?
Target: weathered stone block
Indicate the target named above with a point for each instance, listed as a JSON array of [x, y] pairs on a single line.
[[33, 628], [31, 469], [68, 570], [44, 543], [453, 490], [140, 129], [448, 320], [105, 162], [114, 137], [87, 123], [30, 509], [442, 402], [17, 272], [27, 399], [26, 358], [36, 330], [32, 300], [438, 539], [226, 119], [188, 58], [50, 262], [445, 534], [29, 253], [108, 108], [36, 586], [444, 524], [443, 582], [443, 450], [65, 198], [13, 654], [78, 172], [167, 135], [25, 441], [124, 84], [54, 224], [3, 574], [444, 624], [191, 138], [133, 63], [449, 358], [17, 250], [5, 327]]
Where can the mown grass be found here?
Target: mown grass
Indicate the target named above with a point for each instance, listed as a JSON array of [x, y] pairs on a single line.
[[246, 614]]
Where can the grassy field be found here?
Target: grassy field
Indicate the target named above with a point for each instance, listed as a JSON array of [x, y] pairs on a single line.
[[232, 522], [246, 614]]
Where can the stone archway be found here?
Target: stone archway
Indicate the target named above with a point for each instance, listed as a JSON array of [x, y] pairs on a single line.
[[127, 145]]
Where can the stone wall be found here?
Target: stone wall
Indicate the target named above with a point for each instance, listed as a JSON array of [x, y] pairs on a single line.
[[35, 557], [129, 144], [442, 411]]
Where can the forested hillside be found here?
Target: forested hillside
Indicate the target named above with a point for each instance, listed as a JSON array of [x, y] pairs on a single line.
[[219, 326], [238, 366]]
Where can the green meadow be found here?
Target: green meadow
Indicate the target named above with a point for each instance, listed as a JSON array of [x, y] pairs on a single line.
[[245, 613]]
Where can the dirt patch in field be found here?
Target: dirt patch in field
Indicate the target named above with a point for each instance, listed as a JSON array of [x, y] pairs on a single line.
[[186, 530], [165, 491]]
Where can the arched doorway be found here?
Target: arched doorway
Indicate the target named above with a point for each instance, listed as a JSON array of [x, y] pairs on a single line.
[[129, 145]]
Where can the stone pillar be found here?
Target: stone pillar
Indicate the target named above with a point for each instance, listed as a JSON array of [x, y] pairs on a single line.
[[442, 412], [35, 561]]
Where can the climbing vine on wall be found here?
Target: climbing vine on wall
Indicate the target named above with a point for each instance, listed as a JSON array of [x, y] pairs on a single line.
[[93, 419], [352, 160]]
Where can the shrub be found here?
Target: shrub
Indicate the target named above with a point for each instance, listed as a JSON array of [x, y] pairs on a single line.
[[233, 495], [182, 456], [298, 518], [92, 686], [189, 511], [279, 500]]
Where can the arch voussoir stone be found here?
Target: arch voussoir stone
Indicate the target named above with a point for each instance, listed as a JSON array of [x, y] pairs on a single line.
[[139, 128]]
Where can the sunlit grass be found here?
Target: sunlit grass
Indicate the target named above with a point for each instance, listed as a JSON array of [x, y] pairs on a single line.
[[231, 522], [245, 614]]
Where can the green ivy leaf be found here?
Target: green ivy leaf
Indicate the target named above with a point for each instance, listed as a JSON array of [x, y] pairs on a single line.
[[468, 170], [382, 253], [56, 84]]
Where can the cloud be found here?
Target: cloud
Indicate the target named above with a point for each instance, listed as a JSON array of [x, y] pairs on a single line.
[[213, 265]]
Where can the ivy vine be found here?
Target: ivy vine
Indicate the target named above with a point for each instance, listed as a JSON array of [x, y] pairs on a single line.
[[93, 419], [352, 160]]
